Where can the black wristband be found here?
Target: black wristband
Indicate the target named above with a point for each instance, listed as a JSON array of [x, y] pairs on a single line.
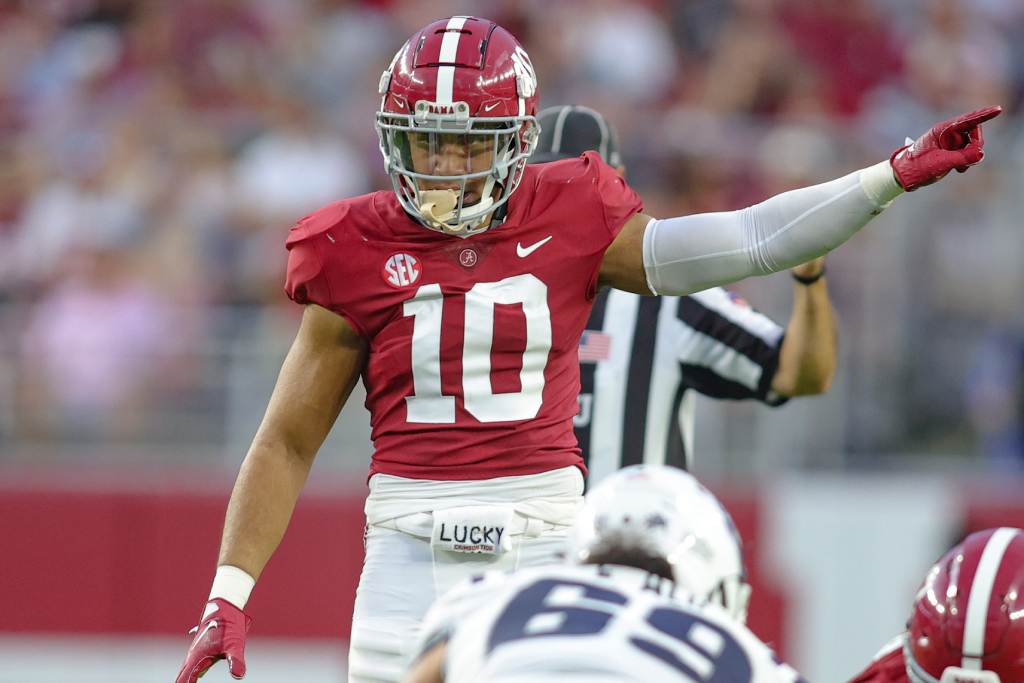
[[808, 280]]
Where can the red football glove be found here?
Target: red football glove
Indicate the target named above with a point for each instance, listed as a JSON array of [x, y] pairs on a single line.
[[219, 635], [956, 143]]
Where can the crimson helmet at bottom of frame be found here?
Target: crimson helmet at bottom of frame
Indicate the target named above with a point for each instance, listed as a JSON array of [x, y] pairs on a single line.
[[968, 620]]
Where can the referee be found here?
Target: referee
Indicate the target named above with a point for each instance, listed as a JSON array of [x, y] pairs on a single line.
[[643, 358]]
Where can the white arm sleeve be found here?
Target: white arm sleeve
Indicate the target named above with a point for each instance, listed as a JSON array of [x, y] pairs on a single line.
[[692, 253]]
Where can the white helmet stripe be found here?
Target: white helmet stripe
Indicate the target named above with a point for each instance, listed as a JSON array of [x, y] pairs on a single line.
[[981, 593], [449, 49]]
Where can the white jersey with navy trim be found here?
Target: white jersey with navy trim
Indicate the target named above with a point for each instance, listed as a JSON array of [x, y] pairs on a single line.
[[643, 358], [592, 623]]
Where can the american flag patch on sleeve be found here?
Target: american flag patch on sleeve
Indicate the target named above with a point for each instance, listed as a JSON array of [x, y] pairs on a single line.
[[594, 346]]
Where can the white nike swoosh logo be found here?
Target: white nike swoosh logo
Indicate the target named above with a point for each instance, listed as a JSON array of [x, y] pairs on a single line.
[[212, 624], [488, 107], [523, 252]]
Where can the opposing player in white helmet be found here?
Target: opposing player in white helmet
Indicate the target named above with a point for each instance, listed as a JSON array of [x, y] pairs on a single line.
[[671, 515], [653, 591]]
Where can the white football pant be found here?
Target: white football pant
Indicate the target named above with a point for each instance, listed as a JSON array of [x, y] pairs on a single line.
[[401, 578]]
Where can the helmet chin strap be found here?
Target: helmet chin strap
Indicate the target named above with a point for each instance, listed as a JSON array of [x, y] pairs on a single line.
[[438, 207]]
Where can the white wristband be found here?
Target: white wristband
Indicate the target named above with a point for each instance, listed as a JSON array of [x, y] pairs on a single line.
[[232, 584]]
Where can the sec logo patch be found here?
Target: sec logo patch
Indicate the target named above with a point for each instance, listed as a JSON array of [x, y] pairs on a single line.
[[401, 270]]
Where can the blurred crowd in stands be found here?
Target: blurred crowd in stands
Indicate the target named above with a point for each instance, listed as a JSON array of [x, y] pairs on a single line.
[[156, 153]]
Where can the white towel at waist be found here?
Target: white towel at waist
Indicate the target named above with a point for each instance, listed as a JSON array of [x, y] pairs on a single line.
[[552, 497]]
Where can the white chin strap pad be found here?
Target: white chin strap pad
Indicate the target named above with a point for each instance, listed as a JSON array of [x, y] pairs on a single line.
[[692, 253], [954, 674], [438, 208]]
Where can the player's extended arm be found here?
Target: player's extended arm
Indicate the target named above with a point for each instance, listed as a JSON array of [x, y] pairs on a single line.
[[807, 359], [691, 253], [315, 380]]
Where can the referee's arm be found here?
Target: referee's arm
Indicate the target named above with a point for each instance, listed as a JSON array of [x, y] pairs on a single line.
[[807, 358], [728, 350]]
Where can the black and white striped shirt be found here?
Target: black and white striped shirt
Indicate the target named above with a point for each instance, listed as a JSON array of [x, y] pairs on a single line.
[[642, 360]]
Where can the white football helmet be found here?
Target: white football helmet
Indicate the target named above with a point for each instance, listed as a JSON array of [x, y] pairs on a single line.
[[668, 513]]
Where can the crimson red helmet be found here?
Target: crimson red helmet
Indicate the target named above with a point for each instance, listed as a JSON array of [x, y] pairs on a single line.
[[968, 619], [456, 122]]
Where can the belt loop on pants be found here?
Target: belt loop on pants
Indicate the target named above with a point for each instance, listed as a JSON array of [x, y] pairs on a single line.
[[533, 527]]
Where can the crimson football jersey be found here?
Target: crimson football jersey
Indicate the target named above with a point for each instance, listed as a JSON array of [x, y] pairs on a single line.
[[887, 667], [473, 370]]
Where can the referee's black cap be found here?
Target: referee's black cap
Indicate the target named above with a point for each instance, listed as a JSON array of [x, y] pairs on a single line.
[[569, 131]]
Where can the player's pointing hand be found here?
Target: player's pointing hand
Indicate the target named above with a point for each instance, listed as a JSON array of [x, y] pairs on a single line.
[[955, 143]]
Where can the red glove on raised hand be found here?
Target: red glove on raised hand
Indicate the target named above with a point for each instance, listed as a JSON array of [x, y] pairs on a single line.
[[955, 143], [219, 635]]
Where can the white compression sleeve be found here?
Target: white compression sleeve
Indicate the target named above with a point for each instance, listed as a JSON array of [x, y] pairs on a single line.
[[692, 253]]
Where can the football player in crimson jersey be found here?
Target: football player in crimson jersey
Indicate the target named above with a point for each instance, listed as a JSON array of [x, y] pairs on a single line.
[[459, 297], [967, 624]]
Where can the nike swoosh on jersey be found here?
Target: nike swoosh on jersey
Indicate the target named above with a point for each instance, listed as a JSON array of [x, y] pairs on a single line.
[[523, 252]]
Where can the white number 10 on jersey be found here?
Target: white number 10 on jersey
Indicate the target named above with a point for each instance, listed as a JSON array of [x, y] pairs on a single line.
[[427, 403]]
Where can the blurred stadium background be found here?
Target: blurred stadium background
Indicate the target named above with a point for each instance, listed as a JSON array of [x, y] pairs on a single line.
[[155, 154]]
